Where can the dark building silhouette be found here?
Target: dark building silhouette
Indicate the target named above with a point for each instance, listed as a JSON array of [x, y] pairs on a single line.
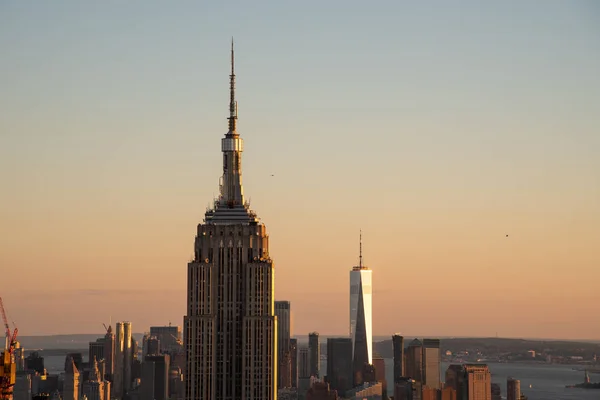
[[155, 377], [314, 354], [283, 312], [321, 391], [497, 392], [414, 360], [339, 364], [96, 350], [77, 359], [34, 362], [398, 348], [109, 353], [407, 389], [294, 361]]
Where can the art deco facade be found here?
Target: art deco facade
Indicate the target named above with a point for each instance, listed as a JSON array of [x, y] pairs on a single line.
[[361, 326], [230, 326]]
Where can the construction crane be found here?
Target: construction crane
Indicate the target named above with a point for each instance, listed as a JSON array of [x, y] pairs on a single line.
[[8, 368]]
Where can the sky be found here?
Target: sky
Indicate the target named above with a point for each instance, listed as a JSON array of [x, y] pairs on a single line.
[[436, 128]]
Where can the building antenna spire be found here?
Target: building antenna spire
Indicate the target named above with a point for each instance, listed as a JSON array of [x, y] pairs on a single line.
[[360, 264], [232, 103]]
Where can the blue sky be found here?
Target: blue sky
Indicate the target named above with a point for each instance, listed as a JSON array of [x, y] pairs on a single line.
[[414, 122]]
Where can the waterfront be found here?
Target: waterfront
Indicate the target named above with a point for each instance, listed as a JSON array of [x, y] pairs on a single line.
[[547, 381]]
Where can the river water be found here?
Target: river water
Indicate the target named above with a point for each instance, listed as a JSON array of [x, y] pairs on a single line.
[[547, 381]]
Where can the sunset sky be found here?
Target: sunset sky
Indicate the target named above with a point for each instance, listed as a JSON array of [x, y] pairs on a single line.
[[437, 129]]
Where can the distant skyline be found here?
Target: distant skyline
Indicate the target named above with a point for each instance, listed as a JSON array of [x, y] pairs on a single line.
[[436, 129]]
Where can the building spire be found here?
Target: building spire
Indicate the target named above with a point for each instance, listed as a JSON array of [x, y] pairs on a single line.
[[232, 103], [360, 264]]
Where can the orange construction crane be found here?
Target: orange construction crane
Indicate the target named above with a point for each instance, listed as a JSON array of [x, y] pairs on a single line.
[[8, 368]]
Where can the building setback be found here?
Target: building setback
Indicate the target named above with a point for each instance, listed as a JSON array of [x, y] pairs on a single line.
[[230, 327]]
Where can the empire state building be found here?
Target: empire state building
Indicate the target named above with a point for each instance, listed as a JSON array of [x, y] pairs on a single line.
[[230, 326]]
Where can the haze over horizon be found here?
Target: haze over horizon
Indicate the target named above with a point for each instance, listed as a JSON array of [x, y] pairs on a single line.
[[436, 130]]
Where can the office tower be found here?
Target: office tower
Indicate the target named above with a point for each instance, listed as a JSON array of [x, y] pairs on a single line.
[[168, 336], [379, 366], [496, 391], [77, 359], [119, 360], [360, 315], [321, 391], [303, 363], [406, 389], [283, 314], [94, 387], [22, 388], [314, 348], [155, 377], [448, 393], [19, 354], [432, 361], [71, 382], [471, 381], [127, 356], [303, 370], [151, 346], [513, 389], [414, 360], [96, 350], [398, 349], [339, 364], [34, 362], [478, 382], [109, 352], [294, 361], [230, 326]]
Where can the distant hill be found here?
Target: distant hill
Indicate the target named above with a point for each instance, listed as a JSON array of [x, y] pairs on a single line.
[[500, 345], [80, 341]]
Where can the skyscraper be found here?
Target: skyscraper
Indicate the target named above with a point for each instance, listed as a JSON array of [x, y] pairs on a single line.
[[432, 360], [414, 360], [339, 364], [168, 336], [398, 347], [315, 353], [294, 361], [230, 326], [71, 382], [283, 313], [513, 389], [471, 381], [127, 356], [95, 388], [109, 351], [119, 361], [155, 377], [361, 330]]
